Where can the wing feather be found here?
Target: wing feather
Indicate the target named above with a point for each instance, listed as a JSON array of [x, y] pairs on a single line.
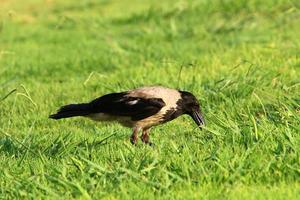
[[121, 104]]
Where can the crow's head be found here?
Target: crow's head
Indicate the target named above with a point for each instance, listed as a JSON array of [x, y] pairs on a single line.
[[190, 105]]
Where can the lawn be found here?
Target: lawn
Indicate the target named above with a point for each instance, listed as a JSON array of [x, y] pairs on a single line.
[[240, 58]]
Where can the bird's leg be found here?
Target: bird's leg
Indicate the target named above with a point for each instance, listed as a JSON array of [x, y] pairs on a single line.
[[134, 136], [145, 136]]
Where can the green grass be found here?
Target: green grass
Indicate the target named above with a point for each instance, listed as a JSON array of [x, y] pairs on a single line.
[[240, 58]]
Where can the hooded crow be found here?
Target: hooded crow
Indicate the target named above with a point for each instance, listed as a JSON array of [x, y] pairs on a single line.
[[139, 109]]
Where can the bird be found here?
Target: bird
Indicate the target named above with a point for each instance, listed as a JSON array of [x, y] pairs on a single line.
[[140, 109]]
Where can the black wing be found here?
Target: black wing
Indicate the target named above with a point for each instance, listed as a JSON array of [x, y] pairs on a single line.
[[120, 104]]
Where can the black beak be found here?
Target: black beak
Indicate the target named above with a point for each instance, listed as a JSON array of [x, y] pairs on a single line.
[[198, 118]]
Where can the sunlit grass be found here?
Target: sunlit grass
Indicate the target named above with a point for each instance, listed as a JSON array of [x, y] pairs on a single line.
[[240, 58]]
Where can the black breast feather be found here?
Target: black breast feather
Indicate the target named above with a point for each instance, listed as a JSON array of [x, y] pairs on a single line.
[[120, 104]]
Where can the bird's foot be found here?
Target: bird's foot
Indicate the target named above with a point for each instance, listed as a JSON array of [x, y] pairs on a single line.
[[134, 136], [146, 139], [133, 139]]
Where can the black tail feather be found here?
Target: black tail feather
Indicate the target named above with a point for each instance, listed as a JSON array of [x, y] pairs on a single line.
[[72, 110]]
